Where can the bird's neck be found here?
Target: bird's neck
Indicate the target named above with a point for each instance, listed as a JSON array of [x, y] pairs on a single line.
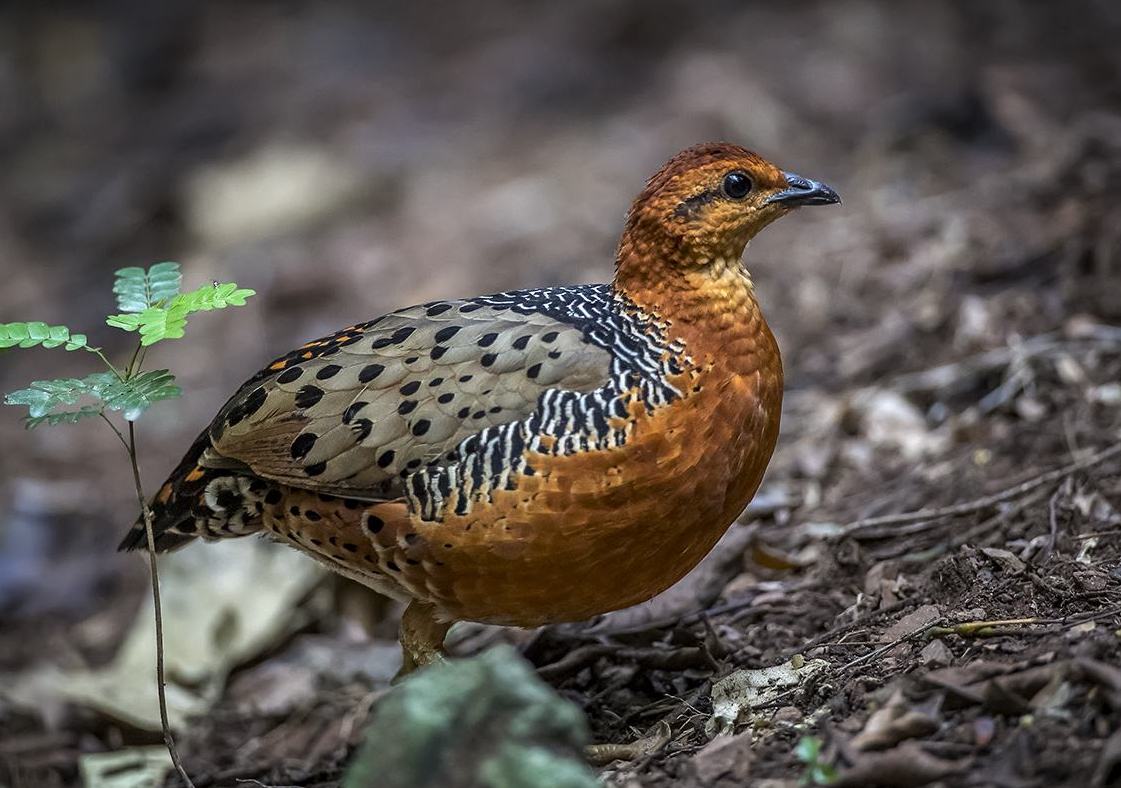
[[710, 304]]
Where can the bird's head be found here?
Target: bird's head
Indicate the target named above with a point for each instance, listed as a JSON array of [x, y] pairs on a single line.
[[707, 202]]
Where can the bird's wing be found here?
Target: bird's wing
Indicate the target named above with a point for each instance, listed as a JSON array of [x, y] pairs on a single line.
[[353, 413]]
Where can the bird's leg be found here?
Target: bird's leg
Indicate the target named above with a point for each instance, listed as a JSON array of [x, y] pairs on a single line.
[[422, 637]]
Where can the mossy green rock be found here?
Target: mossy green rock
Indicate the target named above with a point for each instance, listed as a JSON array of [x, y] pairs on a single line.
[[487, 721]]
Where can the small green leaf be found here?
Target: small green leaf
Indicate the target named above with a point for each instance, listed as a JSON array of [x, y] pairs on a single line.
[[132, 396], [137, 394], [163, 281], [42, 396], [62, 417], [823, 774], [124, 322], [13, 333], [56, 335], [131, 288], [808, 749], [35, 333], [213, 296], [38, 331]]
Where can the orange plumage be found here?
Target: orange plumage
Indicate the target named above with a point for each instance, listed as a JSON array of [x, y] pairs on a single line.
[[527, 457]]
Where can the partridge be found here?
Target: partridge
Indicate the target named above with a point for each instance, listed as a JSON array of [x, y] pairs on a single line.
[[527, 457]]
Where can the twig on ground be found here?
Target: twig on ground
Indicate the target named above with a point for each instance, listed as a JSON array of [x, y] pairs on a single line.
[[1053, 520], [1010, 626], [988, 501], [656, 658], [947, 376], [860, 621], [889, 646], [306, 778], [668, 706], [970, 534], [358, 715]]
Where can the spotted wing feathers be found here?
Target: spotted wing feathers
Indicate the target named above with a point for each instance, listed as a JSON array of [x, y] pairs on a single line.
[[354, 413]]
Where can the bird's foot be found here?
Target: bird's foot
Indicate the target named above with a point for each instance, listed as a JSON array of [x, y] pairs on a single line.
[[422, 638]]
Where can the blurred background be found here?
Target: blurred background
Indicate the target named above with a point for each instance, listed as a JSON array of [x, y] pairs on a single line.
[[344, 159]]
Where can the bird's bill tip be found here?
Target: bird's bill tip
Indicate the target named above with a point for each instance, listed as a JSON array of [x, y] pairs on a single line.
[[801, 191]]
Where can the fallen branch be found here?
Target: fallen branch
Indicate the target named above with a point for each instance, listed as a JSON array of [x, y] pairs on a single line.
[[999, 627]]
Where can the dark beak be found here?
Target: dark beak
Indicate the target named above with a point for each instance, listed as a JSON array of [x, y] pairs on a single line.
[[802, 191]]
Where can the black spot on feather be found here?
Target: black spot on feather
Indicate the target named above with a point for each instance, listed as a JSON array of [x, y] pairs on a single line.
[[303, 444], [369, 372], [444, 334], [308, 397]]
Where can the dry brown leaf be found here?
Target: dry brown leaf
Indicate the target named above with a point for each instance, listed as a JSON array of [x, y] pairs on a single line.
[[726, 760], [936, 653], [912, 622], [905, 766], [893, 723], [772, 558], [1108, 770]]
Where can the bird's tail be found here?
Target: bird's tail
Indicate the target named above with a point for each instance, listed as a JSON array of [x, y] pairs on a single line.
[[198, 501]]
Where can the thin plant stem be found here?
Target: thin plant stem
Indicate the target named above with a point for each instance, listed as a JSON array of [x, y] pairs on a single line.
[[130, 447], [120, 436], [108, 363], [130, 369], [146, 513], [160, 692]]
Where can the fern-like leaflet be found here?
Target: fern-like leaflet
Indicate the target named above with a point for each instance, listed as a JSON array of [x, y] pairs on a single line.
[[168, 319], [137, 289]]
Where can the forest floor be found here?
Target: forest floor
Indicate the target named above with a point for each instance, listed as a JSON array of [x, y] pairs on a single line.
[[934, 556]]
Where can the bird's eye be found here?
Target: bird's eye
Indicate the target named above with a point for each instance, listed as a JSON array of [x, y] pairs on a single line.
[[737, 185]]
